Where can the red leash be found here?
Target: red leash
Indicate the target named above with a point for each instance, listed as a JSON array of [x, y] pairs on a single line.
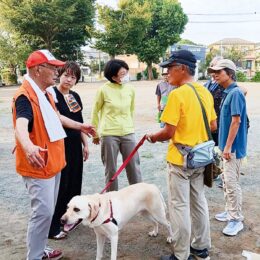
[[124, 164]]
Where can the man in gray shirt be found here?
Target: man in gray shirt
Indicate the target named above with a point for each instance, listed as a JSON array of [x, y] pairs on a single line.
[[163, 89]]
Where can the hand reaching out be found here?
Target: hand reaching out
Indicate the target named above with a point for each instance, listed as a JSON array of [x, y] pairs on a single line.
[[88, 130]]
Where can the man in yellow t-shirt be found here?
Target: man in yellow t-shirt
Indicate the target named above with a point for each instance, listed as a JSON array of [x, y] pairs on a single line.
[[184, 124]]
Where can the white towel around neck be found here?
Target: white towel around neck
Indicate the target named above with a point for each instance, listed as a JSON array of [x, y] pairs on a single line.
[[50, 117]]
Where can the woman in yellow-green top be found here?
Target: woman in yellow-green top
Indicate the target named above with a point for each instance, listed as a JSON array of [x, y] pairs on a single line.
[[112, 115]]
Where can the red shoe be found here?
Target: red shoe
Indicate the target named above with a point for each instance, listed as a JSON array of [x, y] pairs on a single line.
[[50, 253]]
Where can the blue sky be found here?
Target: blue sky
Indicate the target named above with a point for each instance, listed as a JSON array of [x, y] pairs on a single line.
[[236, 19]]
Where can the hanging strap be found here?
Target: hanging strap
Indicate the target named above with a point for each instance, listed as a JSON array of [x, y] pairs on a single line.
[[203, 112]]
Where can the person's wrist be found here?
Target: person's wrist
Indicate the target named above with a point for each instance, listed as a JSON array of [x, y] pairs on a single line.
[[81, 126], [150, 138]]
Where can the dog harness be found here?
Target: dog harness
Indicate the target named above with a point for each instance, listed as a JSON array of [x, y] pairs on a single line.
[[110, 219]]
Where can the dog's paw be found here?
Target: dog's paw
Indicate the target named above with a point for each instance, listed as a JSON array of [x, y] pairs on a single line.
[[169, 240], [153, 234]]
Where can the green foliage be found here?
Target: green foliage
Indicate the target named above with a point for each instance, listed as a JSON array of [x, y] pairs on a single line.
[[122, 27], [186, 41], [168, 22], [154, 72], [210, 56], [231, 54], [95, 66], [13, 50], [256, 78], [241, 77], [142, 27], [234, 55], [8, 77], [58, 25], [139, 76]]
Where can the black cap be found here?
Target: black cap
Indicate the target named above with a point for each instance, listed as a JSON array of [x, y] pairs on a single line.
[[183, 57]]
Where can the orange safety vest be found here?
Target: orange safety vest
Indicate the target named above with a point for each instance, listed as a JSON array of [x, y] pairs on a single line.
[[55, 156]]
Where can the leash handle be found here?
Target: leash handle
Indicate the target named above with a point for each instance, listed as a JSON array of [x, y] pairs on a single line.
[[124, 164]]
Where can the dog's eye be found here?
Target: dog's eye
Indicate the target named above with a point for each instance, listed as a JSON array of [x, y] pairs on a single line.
[[76, 209]]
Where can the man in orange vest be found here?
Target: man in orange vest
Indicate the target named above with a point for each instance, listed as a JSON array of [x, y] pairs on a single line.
[[40, 148]]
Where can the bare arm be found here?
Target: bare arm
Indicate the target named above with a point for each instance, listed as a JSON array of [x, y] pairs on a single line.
[[234, 126], [69, 123], [32, 151], [213, 125], [85, 146], [159, 102], [165, 134]]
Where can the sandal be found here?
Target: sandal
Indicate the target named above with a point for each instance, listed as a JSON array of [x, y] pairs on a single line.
[[60, 236]]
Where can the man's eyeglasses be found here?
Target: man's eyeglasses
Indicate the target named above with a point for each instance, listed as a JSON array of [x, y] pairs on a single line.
[[50, 68]]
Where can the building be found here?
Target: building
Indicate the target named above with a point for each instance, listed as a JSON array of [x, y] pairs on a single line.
[[135, 66], [228, 43], [198, 50], [95, 56], [249, 50], [257, 56]]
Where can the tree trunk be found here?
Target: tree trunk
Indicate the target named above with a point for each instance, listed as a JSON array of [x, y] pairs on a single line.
[[48, 42], [112, 56], [150, 71]]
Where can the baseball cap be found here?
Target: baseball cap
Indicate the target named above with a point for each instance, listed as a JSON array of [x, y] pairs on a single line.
[[183, 57], [42, 56], [222, 64]]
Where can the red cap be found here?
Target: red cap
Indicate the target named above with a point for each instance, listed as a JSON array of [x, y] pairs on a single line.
[[42, 56]]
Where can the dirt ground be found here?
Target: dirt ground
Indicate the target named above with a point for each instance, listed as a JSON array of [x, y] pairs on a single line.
[[134, 243]]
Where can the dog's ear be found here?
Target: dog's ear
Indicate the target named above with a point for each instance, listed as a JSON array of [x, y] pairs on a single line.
[[93, 208]]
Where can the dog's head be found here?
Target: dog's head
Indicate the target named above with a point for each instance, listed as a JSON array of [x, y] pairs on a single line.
[[80, 209]]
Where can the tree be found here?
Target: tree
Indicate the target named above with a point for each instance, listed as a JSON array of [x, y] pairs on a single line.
[[13, 53], [58, 25], [234, 55], [122, 27], [147, 35], [168, 22], [186, 41], [203, 66]]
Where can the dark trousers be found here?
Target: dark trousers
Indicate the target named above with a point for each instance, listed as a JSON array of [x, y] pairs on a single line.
[[70, 182]]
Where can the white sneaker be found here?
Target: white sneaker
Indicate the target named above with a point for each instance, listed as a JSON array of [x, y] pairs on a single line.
[[222, 216], [233, 227]]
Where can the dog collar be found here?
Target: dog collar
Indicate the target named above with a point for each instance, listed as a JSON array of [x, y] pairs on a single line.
[[96, 215]]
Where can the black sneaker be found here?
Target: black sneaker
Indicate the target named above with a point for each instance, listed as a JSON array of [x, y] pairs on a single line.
[[203, 254], [173, 257], [169, 257]]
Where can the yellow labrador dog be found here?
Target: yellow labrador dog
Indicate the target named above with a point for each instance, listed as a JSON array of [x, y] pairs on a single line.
[[108, 213]]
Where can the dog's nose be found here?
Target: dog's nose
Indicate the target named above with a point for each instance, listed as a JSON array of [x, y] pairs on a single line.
[[63, 221]]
